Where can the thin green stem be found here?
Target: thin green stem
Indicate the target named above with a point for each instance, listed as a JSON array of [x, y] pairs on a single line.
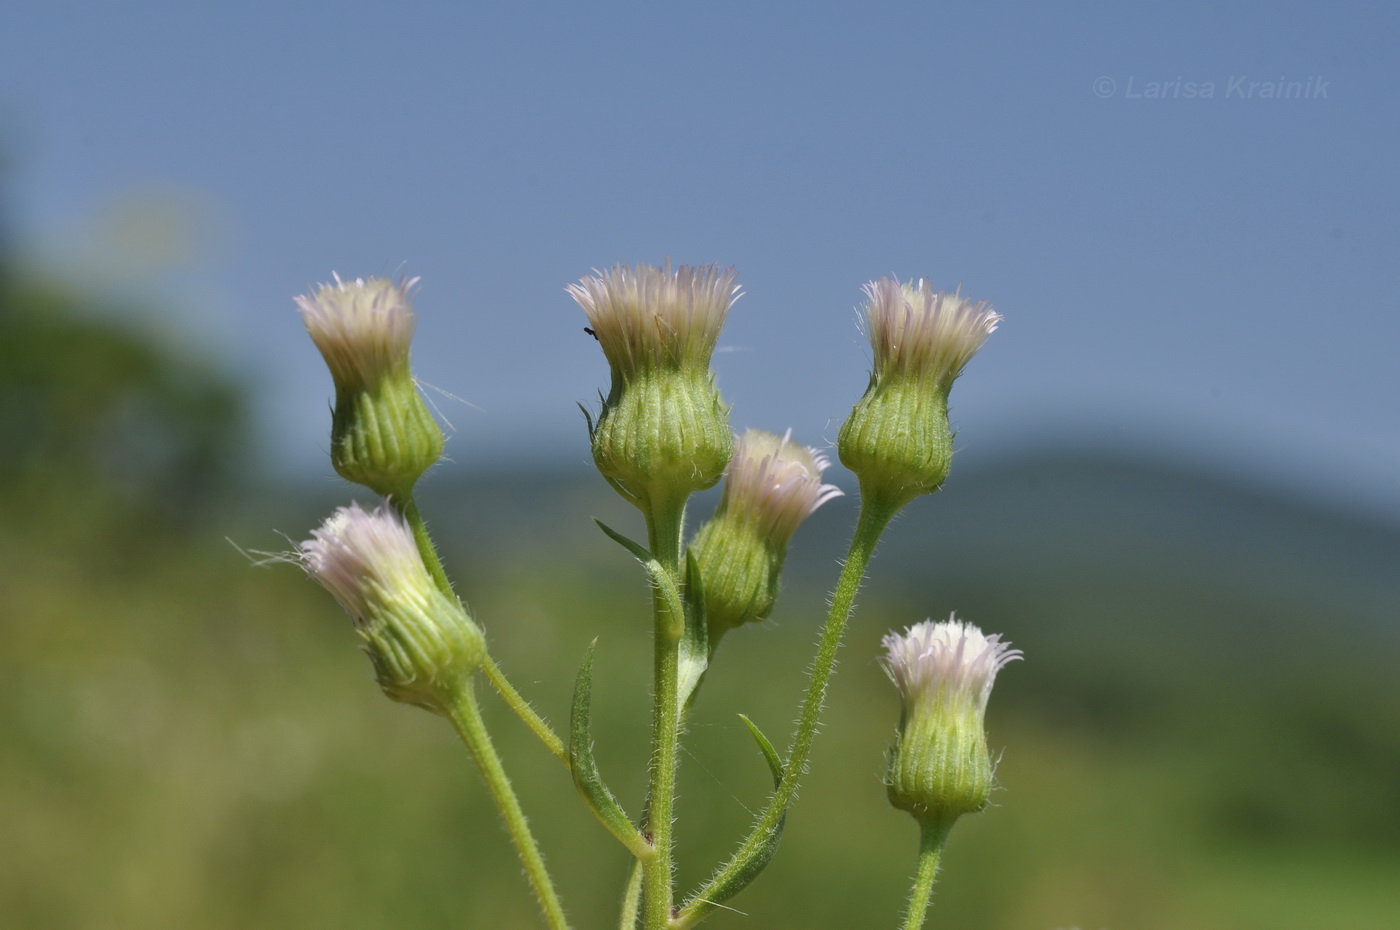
[[875, 515], [494, 674], [665, 525], [524, 711], [466, 718], [631, 899], [665, 522], [660, 817], [408, 507], [931, 840]]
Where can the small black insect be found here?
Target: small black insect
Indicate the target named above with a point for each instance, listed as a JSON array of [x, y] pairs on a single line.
[[590, 332]]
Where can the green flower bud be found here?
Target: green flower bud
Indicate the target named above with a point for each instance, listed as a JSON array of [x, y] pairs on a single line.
[[897, 439], [663, 432], [771, 486], [939, 766], [422, 644], [382, 434]]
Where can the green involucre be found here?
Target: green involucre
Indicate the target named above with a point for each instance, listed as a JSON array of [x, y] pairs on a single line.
[[383, 436], [939, 766], [897, 439], [424, 650], [663, 434]]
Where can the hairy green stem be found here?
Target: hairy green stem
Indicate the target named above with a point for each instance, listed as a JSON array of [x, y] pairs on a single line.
[[466, 718], [875, 515], [665, 522], [516, 702], [408, 508], [631, 898], [931, 840], [494, 674]]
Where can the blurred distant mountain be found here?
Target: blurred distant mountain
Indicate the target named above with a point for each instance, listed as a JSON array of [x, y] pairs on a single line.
[[1061, 518], [1060, 530]]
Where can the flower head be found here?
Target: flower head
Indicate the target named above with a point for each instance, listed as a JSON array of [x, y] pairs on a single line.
[[663, 432], [947, 660], [422, 643], [897, 439], [775, 482], [382, 434], [366, 560], [915, 330], [646, 316], [362, 327], [940, 767], [771, 486]]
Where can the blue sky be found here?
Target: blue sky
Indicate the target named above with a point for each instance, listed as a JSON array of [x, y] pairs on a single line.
[[1210, 277]]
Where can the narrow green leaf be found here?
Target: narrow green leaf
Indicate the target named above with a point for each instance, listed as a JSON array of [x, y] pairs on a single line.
[[639, 552], [588, 418], [659, 576], [695, 641], [775, 764], [585, 768], [631, 899], [736, 875]]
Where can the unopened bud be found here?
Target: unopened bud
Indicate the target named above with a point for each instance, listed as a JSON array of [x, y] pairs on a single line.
[[771, 486]]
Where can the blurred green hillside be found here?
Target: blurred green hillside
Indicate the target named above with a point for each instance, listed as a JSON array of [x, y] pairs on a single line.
[[1205, 732]]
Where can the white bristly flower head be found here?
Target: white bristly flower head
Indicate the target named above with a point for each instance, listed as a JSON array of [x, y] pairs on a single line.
[[897, 439], [917, 331], [771, 486], [382, 434], [775, 482], [423, 645], [946, 660], [646, 316], [663, 432], [939, 766], [362, 327]]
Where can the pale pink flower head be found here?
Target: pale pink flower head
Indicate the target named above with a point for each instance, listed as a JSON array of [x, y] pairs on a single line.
[[898, 439], [946, 661], [771, 486], [367, 561], [421, 642], [940, 767], [382, 433], [775, 482], [663, 430], [362, 327], [915, 330], [645, 317]]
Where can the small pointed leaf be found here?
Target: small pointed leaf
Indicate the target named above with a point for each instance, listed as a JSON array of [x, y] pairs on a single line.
[[659, 576], [695, 641], [585, 768], [736, 875], [588, 418], [639, 552], [775, 764]]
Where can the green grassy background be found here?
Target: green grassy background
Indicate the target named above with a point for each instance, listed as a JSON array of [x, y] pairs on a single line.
[[1205, 732]]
